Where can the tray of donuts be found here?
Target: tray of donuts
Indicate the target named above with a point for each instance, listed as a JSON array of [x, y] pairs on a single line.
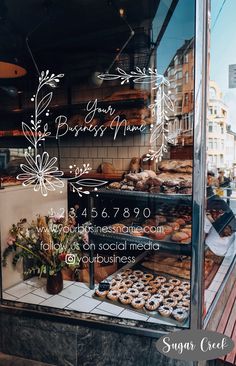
[[155, 295]]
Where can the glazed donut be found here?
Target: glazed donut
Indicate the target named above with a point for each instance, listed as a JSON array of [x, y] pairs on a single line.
[[167, 286], [170, 302], [133, 278], [188, 293], [163, 292], [155, 283], [145, 295], [138, 273], [138, 303], [186, 298], [175, 281], [122, 288], [139, 286], [121, 276], [133, 292], [147, 276], [151, 304], [162, 279], [186, 284], [158, 297], [180, 314], [181, 289], [145, 282], [127, 283], [101, 293], [165, 310], [128, 271], [115, 284], [176, 295], [151, 289], [113, 295], [125, 299]]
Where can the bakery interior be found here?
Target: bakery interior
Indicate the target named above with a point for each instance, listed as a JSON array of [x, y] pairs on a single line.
[[138, 217]]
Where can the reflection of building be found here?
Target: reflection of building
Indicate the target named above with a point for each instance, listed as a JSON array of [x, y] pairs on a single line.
[[230, 147], [180, 73]]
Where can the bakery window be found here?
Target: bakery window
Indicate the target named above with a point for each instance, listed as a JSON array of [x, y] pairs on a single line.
[[105, 221]]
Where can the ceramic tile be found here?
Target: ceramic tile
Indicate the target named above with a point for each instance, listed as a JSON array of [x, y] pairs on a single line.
[[6, 296], [36, 282], [56, 301], [90, 293], [20, 290], [73, 292], [84, 304], [110, 308], [82, 284], [67, 283], [31, 299], [128, 314], [42, 292]]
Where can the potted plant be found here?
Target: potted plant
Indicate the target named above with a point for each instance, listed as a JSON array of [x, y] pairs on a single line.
[[53, 243]]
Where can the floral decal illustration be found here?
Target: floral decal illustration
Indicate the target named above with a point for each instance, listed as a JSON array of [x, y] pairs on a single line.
[[159, 109]]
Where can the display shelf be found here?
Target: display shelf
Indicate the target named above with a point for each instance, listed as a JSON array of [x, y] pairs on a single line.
[[134, 241]]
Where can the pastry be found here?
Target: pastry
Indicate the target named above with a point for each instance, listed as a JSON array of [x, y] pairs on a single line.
[[125, 299], [162, 279], [151, 304], [133, 278], [166, 229], [178, 236], [180, 221], [186, 298], [138, 273], [128, 271], [155, 283], [122, 288], [157, 235], [165, 310], [181, 289], [139, 286], [119, 228], [115, 284], [158, 297], [147, 276], [167, 286], [174, 225], [163, 292], [115, 185], [161, 219], [183, 304], [101, 293], [121, 276], [138, 303], [151, 289], [144, 281], [180, 314], [145, 295], [176, 295], [186, 284], [174, 281], [128, 283], [113, 295], [187, 231], [170, 301], [133, 292], [137, 232]]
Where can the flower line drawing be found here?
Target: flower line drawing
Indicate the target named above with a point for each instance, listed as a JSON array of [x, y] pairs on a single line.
[[159, 109], [79, 185], [41, 171]]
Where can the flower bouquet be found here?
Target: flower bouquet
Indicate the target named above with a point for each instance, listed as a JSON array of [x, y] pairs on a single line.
[[51, 243]]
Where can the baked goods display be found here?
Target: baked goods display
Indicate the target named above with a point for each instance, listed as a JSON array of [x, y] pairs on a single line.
[[161, 296], [173, 177], [7, 181]]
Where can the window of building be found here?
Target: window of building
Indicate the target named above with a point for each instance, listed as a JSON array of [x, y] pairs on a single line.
[[186, 99], [186, 58], [222, 130], [179, 75], [212, 93], [176, 60], [210, 126], [179, 89], [210, 143], [215, 144], [186, 77], [222, 144], [221, 159], [210, 110]]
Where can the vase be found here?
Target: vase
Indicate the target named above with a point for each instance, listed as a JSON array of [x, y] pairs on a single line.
[[54, 283]]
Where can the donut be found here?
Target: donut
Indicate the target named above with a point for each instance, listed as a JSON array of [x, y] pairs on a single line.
[[128, 271], [145, 295], [162, 279], [151, 304], [121, 276], [170, 301], [188, 293], [187, 231], [115, 284], [133, 292], [165, 310], [158, 297], [147, 276], [180, 314], [186, 284], [176, 295], [138, 303], [167, 286], [113, 295], [181, 289], [133, 278], [174, 225], [101, 293], [138, 273], [125, 299], [186, 298], [163, 292], [183, 304], [151, 289], [155, 283], [127, 283], [167, 229], [139, 286], [122, 288], [175, 281], [145, 282]]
